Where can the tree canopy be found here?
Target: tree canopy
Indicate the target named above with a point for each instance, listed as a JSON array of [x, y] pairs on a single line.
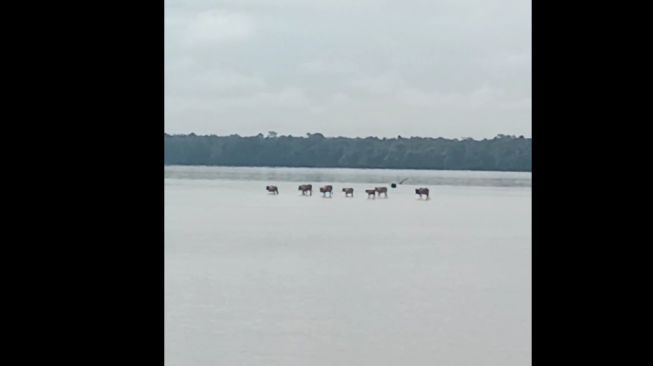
[[502, 153]]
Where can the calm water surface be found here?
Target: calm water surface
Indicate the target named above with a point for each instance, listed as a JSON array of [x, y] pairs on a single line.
[[258, 279]]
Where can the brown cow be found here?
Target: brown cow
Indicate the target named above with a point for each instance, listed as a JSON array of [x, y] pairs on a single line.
[[327, 189], [383, 190], [306, 188], [371, 193], [272, 189], [422, 191], [348, 192]]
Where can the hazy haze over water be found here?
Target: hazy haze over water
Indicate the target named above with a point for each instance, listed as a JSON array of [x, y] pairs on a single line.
[[387, 176]]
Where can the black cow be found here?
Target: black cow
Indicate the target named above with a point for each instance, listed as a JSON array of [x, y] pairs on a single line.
[[327, 189], [422, 191], [306, 188], [383, 190]]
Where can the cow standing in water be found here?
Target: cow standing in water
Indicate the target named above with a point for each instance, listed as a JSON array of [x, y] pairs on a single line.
[[272, 189], [422, 191], [383, 190], [371, 193], [348, 192], [327, 189], [306, 188]]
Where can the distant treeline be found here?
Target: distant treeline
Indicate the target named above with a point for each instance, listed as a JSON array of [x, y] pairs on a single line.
[[503, 153]]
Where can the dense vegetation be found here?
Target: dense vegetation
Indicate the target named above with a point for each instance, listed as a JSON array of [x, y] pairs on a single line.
[[505, 153]]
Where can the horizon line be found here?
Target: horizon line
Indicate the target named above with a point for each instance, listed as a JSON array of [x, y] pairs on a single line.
[[307, 134]]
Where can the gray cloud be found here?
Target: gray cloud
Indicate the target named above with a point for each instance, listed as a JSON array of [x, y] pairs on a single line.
[[356, 68]]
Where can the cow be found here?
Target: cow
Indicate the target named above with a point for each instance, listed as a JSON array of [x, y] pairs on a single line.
[[348, 192], [306, 188], [371, 193], [383, 190], [272, 189], [422, 191], [327, 189]]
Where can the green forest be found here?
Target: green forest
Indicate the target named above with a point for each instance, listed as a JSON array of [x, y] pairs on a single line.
[[501, 153]]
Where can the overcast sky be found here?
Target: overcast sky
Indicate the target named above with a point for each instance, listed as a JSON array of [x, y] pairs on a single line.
[[449, 68]]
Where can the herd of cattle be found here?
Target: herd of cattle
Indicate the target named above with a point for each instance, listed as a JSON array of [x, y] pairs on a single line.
[[307, 189]]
